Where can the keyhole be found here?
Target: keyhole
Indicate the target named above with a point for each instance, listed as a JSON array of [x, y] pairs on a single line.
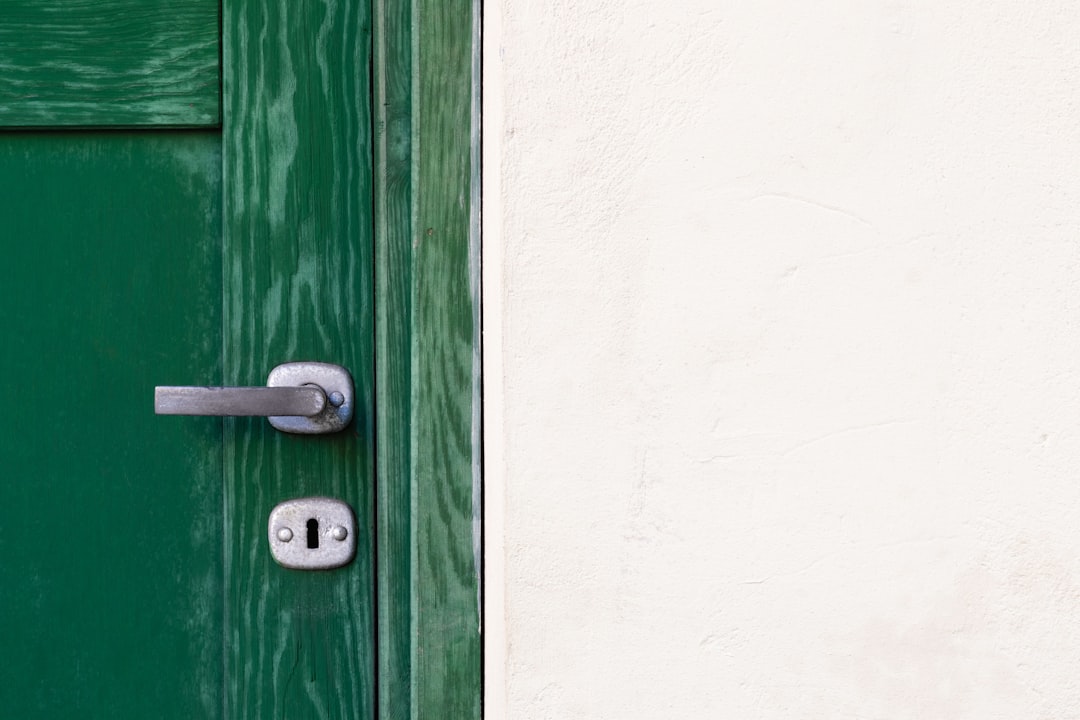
[[312, 534]]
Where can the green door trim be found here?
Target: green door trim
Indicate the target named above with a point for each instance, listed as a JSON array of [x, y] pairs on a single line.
[[427, 358]]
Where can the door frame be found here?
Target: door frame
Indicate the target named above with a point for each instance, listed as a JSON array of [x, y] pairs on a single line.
[[426, 56]]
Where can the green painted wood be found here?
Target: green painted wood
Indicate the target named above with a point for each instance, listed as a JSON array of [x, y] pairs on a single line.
[[110, 534], [445, 350], [109, 63], [298, 278], [428, 369], [394, 231], [192, 611]]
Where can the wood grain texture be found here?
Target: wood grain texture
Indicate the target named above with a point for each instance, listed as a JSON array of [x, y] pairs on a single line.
[[109, 63], [446, 654], [428, 345], [393, 249], [298, 276]]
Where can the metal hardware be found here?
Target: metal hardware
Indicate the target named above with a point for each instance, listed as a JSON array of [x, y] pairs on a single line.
[[240, 401], [314, 533], [306, 398]]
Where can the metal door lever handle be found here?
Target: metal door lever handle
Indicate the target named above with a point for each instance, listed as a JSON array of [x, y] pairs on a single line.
[[302, 401], [305, 397]]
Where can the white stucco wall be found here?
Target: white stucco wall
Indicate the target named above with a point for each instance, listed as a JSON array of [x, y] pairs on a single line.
[[782, 361]]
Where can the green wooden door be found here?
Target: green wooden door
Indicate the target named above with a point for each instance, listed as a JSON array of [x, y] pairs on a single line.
[[159, 231], [110, 538]]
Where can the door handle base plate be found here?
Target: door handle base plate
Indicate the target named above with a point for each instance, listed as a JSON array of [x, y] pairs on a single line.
[[335, 382]]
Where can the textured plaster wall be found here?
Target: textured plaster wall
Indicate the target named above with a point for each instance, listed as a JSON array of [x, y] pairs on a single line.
[[782, 359]]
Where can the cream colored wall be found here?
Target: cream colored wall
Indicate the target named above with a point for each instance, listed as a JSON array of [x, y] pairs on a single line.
[[782, 360]]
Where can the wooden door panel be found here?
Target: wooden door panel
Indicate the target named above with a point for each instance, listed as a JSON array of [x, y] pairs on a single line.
[[109, 63], [111, 527]]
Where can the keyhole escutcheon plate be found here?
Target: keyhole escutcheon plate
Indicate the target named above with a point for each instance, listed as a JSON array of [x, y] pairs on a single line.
[[313, 533]]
